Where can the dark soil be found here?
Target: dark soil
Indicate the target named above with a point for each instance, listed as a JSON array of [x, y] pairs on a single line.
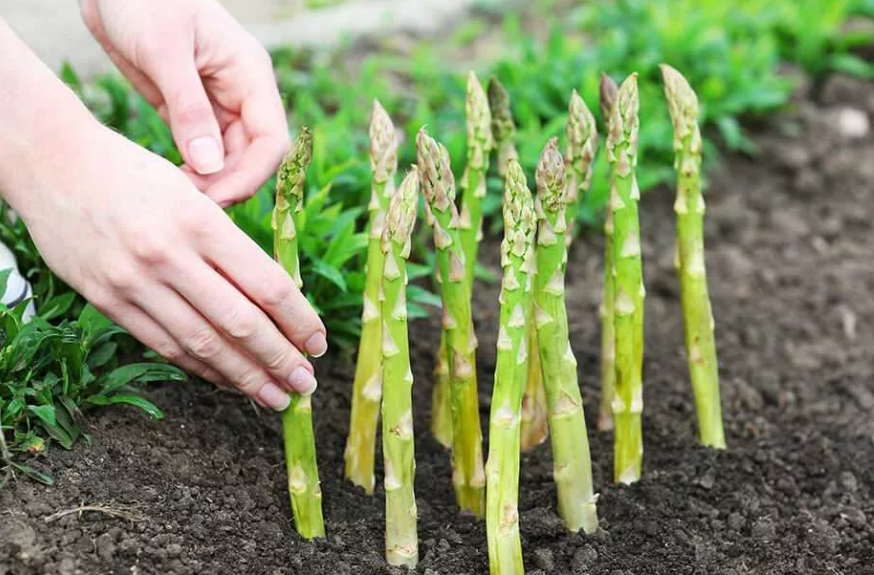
[[790, 249]]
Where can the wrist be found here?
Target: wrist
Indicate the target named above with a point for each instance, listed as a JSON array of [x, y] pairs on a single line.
[[43, 122]]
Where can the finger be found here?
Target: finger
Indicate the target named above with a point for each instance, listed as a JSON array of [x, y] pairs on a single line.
[[243, 323], [200, 340], [192, 119], [239, 259], [153, 336], [236, 142], [263, 116]]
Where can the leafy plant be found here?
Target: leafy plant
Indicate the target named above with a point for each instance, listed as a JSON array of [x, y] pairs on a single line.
[[50, 375]]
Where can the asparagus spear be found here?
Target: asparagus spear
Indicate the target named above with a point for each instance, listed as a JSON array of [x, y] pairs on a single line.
[[567, 423], [441, 399], [534, 426], [367, 389], [689, 207], [608, 339], [628, 290], [401, 541], [503, 126], [438, 187], [502, 471], [297, 419], [473, 182], [582, 142]]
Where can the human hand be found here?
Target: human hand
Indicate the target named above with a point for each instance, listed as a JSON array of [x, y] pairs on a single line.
[[208, 78], [136, 238]]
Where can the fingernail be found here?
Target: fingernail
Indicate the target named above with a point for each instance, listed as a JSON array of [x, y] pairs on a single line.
[[316, 345], [274, 397], [302, 380], [205, 155]]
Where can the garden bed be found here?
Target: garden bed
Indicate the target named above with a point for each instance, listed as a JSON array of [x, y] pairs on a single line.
[[790, 246]]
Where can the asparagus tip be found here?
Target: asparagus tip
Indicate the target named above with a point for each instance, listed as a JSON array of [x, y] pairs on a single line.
[[682, 101], [550, 176], [402, 212], [479, 117], [608, 91], [383, 144]]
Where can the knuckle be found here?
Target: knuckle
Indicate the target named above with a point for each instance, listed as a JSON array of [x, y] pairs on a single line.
[[278, 294], [150, 248], [204, 344], [241, 326], [279, 360], [196, 223], [169, 351], [121, 279], [250, 382], [191, 113]]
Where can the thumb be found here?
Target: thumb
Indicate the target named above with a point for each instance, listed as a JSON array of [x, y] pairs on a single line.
[[192, 119]]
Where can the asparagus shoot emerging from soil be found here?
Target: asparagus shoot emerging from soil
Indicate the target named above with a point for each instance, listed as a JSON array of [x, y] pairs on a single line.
[[438, 188], [367, 389], [502, 470], [582, 142], [401, 541], [479, 144], [297, 419], [608, 338], [503, 126], [567, 423], [534, 426], [628, 290], [689, 207]]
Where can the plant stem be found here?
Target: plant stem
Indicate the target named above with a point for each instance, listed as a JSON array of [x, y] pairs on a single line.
[[441, 400], [438, 187], [628, 290], [689, 207], [401, 540], [570, 444], [297, 419], [582, 143], [608, 337], [473, 182], [367, 388], [534, 425], [511, 371]]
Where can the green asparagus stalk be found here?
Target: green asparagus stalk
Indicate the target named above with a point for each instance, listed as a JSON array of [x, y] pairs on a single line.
[[441, 399], [511, 371], [297, 419], [567, 422], [401, 541], [608, 338], [628, 290], [534, 426], [367, 388], [503, 126], [689, 207], [473, 182], [438, 187], [582, 142]]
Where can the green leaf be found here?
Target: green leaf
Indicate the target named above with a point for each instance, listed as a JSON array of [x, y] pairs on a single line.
[[35, 474], [57, 306], [333, 275], [45, 413], [129, 399], [140, 373]]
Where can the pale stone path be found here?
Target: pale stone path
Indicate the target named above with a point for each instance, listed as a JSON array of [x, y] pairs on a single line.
[[56, 33]]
